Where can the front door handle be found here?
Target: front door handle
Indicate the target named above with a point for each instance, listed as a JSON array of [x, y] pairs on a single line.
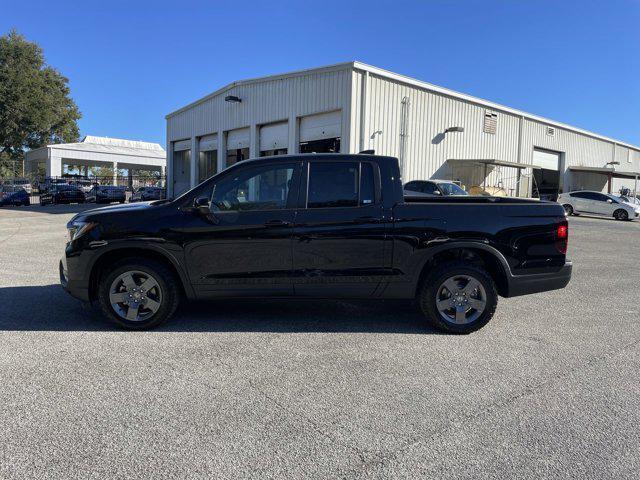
[[277, 223]]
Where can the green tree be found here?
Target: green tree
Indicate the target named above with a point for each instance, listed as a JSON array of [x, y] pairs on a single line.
[[35, 106]]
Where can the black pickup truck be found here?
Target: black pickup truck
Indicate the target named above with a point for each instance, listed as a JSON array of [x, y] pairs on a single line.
[[321, 226]]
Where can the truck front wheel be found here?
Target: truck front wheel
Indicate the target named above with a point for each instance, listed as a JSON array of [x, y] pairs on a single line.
[[138, 293], [458, 297]]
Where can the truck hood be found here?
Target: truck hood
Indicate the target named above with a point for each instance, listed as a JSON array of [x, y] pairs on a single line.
[[130, 208]]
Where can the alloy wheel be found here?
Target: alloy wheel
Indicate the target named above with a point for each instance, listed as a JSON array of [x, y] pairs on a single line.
[[461, 299], [135, 296]]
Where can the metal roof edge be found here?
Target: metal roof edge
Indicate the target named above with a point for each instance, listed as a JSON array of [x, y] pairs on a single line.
[[295, 73], [485, 103]]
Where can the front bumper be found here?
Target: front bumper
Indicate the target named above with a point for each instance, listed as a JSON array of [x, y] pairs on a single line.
[[540, 282], [78, 288]]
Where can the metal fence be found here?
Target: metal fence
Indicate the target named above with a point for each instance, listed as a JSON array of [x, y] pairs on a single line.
[[37, 185]]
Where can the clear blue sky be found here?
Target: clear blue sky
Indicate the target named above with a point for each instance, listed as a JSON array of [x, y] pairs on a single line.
[[130, 63]]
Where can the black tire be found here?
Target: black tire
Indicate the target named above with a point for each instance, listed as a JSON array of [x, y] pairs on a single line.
[[621, 215], [568, 209], [170, 294], [429, 290]]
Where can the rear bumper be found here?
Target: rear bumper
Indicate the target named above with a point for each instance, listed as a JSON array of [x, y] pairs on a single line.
[[540, 282]]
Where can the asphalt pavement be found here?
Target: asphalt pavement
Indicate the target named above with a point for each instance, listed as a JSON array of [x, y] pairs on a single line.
[[550, 388]]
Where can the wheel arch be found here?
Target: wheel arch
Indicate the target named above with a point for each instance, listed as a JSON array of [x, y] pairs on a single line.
[[483, 256], [114, 254]]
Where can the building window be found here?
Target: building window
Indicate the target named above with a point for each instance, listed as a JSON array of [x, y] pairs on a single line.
[[490, 122]]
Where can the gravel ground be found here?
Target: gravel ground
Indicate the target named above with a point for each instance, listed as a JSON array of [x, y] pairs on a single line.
[[273, 389]]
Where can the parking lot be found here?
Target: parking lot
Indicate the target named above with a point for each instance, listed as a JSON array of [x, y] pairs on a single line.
[[274, 389]]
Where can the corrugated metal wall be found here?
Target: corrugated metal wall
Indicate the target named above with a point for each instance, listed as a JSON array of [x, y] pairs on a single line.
[[379, 102], [263, 102]]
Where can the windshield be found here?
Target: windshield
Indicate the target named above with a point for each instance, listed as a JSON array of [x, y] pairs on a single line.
[[451, 189]]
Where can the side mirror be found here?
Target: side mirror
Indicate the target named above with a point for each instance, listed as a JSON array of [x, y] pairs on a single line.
[[609, 200], [201, 204]]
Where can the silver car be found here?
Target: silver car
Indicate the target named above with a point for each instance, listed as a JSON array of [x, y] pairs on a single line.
[[596, 203]]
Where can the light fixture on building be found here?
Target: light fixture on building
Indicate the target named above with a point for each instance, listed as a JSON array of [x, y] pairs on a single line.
[[612, 163], [454, 129], [232, 98]]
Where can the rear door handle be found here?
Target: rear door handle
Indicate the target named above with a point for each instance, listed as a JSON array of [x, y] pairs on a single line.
[[277, 223]]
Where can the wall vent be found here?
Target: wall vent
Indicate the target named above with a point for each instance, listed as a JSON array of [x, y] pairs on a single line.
[[551, 131], [490, 122]]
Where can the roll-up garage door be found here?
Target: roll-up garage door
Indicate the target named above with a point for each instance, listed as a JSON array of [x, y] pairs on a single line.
[[208, 143], [181, 145], [237, 139], [274, 136], [546, 159], [321, 126]]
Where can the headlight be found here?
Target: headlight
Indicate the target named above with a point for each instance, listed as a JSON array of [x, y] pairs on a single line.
[[77, 229]]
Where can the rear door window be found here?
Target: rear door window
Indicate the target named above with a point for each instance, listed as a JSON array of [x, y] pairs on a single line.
[[333, 184], [341, 184]]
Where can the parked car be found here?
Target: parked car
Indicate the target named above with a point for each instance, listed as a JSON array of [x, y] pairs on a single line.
[[83, 184], [58, 193], [49, 183], [14, 195], [20, 183], [145, 194], [596, 203], [433, 188], [324, 226], [106, 194]]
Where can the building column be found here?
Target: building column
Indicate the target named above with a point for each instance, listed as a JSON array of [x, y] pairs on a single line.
[[222, 151], [53, 167], [193, 168], [293, 146], [254, 147], [115, 173]]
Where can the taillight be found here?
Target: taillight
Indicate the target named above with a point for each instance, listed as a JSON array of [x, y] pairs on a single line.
[[562, 237]]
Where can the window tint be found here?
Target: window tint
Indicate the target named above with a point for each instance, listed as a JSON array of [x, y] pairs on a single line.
[[412, 186], [430, 188], [578, 195], [595, 196], [263, 188], [452, 189], [367, 185], [333, 184]]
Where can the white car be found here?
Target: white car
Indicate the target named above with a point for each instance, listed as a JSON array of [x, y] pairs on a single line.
[[631, 201], [597, 203]]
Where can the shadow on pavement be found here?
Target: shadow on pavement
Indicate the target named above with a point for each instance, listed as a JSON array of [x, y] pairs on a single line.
[[49, 308]]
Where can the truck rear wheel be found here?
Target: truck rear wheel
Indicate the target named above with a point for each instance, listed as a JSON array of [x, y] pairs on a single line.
[[458, 297], [138, 293]]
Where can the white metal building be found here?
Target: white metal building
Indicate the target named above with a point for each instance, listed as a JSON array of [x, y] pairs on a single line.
[[93, 151], [435, 132]]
